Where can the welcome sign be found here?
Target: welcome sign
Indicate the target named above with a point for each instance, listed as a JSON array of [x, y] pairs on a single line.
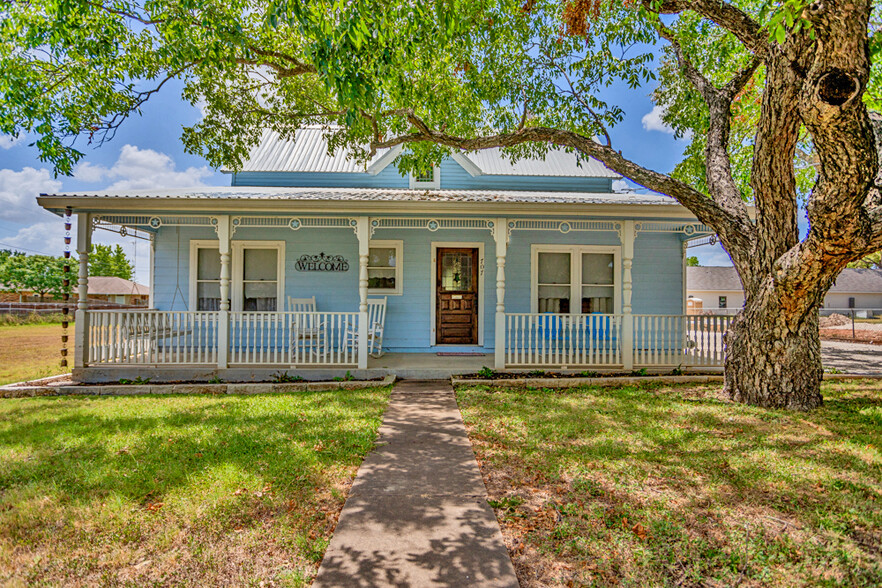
[[322, 263]]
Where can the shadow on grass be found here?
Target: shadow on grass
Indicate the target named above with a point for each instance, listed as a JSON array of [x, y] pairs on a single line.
[[712, 482], [88, 455]]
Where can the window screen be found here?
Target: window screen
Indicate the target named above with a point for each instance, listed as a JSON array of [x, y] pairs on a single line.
[[260, 279], [208, 279]]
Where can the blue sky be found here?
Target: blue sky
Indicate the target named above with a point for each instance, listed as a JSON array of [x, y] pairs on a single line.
[[147, 154]]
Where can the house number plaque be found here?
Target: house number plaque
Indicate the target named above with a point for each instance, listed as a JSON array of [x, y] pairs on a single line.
[[322, 263]]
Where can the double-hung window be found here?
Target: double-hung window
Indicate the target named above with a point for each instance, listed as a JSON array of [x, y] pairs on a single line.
[[575, 279], [385, 267], [207, 294], [256, 272]]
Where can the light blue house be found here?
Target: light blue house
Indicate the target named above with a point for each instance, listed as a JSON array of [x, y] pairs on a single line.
[[538, 263]]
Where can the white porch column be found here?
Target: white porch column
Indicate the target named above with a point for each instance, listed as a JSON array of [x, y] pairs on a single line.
[[81, 327], [501, 235], [223, 324], [628, 234], [151, 301], [363, 232]]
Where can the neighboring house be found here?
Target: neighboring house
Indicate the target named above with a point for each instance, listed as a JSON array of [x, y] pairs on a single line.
[[118, 290], [538, 262], [719, 290], [105, 288]]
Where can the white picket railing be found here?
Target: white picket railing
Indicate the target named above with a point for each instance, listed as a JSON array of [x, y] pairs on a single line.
[[659, 340], [704, 344], [147, 337], [293, 338], [597, 340], [572, 340]]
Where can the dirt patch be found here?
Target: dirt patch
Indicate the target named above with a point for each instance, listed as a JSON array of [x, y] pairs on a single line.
[[871, 336], [834, 320]]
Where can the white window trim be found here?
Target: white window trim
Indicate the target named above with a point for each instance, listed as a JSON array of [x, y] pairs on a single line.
[[237, 269], [575, 252], [435, 184], [398, 245]]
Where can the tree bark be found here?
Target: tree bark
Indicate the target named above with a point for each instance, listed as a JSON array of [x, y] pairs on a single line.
[[771, 362]]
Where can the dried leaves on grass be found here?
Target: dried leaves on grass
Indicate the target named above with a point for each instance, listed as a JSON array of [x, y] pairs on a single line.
[[676, 486]]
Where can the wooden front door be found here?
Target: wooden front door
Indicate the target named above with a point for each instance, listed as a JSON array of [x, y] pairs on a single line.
[[456, 296]]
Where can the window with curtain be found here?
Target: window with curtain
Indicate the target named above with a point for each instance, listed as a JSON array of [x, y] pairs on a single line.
[[256, 279], [574, 279], [598, 283], [555, 282], [384, 267], [208, 279], [260, 279]]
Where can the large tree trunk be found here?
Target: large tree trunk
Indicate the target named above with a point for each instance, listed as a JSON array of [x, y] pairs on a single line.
[[774, 360]]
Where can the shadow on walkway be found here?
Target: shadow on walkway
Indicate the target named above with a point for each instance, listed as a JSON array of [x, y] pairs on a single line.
[[417, 514]]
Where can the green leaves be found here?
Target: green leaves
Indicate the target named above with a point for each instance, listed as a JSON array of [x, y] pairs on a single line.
[[781, 16], [41, 274], [105, 260]]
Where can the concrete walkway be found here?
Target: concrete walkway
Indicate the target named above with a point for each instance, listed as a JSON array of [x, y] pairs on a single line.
[[417, 514], [852, 358]]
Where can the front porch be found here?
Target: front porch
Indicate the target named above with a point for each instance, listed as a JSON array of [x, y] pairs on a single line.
[[576, 276], [254, 345]]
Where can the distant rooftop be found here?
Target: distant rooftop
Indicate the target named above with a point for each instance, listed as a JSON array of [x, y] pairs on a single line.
[[114, 286], [309, 153], [725, 279]]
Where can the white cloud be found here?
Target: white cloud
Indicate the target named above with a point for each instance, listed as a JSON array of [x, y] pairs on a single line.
[[88, 172], [652, 121], [19, 190], [37, 238], [621, 186], [711, 255], [47, 237], [142, 169], [8, 141]]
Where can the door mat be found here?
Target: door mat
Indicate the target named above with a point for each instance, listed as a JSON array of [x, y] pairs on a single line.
[[459, 353]]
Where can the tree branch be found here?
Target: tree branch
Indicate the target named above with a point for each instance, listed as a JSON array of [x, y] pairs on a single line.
[[718, 164], [727, 16], [734, 229]]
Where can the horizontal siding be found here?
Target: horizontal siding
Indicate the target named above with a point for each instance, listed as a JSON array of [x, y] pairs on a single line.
[[453, 177], [656, 272]]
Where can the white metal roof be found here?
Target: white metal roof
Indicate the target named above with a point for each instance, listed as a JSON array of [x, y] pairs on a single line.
[[378, 195], [557, 162], [309, 153]]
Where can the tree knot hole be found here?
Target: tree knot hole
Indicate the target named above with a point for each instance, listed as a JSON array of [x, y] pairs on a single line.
[[836, 87]]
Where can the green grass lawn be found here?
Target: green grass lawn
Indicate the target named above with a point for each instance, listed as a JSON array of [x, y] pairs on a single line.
[[676, 486], [28, 352], [177, 490]]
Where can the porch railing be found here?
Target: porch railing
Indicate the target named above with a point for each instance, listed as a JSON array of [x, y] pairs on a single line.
[[149, 337], [562, 339], [601, 340], [139, 337], [294, 338], [152, 337]]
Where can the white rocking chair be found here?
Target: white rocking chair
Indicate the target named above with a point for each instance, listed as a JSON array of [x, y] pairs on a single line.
[[376, 324], [301, 304], [307, 333]]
